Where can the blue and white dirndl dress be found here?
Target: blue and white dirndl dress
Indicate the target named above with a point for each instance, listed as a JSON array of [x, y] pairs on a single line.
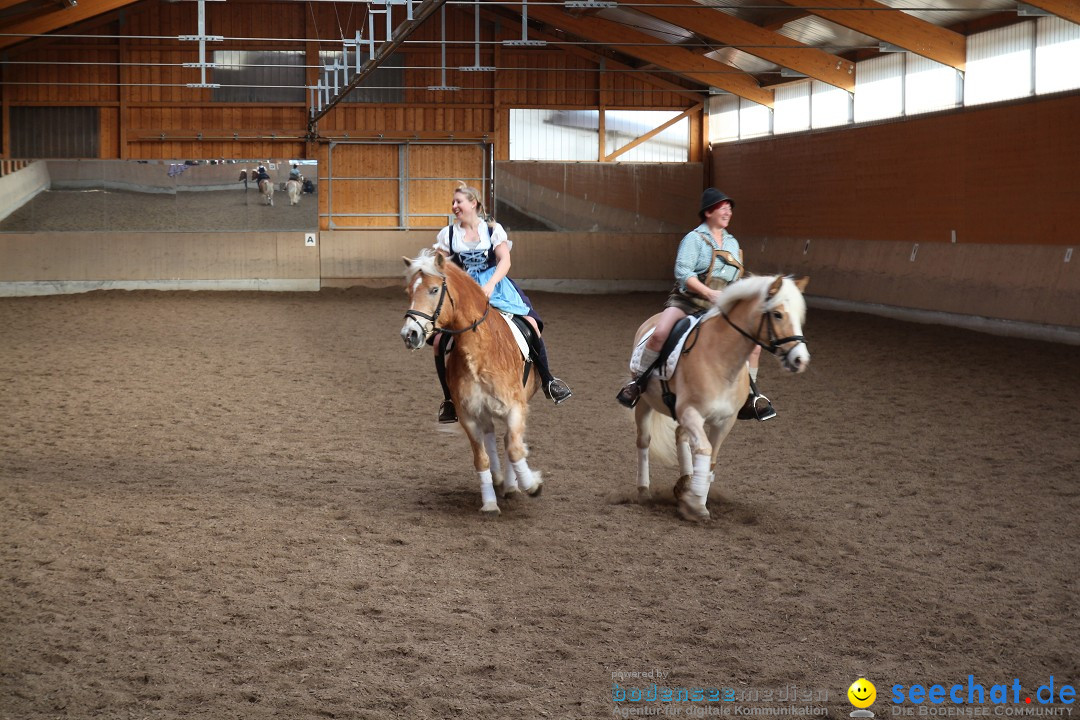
[[478, 259]]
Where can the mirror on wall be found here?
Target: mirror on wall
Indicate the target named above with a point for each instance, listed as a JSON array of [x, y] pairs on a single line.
[[156, 195]]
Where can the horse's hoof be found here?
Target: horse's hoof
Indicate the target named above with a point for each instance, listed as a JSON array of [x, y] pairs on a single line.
[[510, 494], [491, 509], [644, 493], [680, 487], [693, 512], [535, 490]]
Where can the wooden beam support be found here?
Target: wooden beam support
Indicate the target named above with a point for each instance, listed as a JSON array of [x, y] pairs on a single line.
[[730, 30], [652, 133], [1067, 9], [678, 61], [894, 27], [58, 19]]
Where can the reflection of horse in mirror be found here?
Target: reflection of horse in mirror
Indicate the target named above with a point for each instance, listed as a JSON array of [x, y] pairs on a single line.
[[244, 178], [711, 381], [484, 370], [266, 189], [293, 188]]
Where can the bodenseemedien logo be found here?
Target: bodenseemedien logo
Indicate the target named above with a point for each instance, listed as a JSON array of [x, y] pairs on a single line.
[[862, 694]]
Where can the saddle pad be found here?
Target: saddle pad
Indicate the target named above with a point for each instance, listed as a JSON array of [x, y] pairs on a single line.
[[522, 343], [668, 369]]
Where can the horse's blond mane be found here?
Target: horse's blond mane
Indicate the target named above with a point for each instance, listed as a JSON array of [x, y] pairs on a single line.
[[755, 287]]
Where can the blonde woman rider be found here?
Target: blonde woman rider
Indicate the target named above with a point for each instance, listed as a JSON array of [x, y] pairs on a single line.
[[480, 247]]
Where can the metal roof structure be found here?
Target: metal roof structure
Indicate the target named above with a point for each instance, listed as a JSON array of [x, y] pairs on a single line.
[[743, 47]]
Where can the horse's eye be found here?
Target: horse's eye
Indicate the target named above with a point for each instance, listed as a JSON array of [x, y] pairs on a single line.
[[778, 315], [432, 290]]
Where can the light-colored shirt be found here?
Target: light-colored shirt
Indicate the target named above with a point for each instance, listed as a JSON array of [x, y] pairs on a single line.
[[696, 252]]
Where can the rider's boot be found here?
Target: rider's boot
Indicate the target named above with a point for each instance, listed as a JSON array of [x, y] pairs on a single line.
[[631, 392], [753, 409], [555, 389], [447, 412]]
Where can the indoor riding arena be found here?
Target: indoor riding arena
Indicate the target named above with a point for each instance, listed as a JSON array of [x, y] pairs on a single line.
[[224, 489]]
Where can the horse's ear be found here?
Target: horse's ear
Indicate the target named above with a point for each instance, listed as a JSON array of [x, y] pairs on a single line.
[[406, 260], [775, 287], [802, 282], [440, 260]]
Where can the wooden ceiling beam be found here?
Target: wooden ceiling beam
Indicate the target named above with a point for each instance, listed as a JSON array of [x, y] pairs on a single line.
[[57, 19], [592, 56], [894, 27], [776, 20], [750, 38], [5, 4], [1067, 9], [642, 46]]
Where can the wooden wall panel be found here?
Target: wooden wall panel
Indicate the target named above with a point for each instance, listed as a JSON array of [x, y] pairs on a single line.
[[85, 81], [547, 79]]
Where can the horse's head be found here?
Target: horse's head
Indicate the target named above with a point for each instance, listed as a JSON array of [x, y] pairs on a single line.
[[783, 315], [425, 282], [782, 310]]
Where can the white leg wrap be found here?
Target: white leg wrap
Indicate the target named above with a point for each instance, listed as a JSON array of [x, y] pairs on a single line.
[[525, 475], [487, 489], [699, 484], [493, 455], [510, 480], [686, 459], [643, 467]]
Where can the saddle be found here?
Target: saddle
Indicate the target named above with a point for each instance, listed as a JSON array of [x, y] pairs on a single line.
[[525, 329], [672, 350], [675, 346]]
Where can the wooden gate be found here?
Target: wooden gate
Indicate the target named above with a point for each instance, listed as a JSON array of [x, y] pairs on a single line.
[[404, 185]]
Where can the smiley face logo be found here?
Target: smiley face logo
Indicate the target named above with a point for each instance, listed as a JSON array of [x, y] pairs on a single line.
[[862, 693]]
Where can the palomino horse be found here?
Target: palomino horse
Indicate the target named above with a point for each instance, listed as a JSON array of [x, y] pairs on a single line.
[[484, 370], [711, 381], [266, 189], [293, 189]]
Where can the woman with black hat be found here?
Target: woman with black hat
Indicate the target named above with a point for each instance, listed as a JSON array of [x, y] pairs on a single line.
[[709, 258]]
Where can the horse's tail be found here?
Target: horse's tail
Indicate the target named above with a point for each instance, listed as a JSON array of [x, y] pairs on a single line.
[[662, 446]]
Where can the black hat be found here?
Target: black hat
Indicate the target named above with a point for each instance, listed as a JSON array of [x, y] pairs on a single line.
[[710, 199]]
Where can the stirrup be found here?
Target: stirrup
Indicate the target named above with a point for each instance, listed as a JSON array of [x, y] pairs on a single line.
[[751, 411], [629, 395], [447, 412], [558, 391]]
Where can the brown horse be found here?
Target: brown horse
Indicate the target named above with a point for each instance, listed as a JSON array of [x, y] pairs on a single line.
[[483, 370], [711, 381]]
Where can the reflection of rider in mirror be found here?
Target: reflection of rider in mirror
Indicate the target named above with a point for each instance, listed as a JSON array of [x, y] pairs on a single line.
[[294, 174], [261, 174]]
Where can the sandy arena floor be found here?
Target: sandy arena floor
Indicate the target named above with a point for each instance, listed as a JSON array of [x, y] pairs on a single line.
[[239, 505]]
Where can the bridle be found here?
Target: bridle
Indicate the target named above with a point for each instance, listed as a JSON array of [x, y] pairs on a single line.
[[775, 344], [429, 327]]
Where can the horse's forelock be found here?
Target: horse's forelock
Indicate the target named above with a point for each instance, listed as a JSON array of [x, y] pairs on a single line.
[[424, 263], [790, 297]]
